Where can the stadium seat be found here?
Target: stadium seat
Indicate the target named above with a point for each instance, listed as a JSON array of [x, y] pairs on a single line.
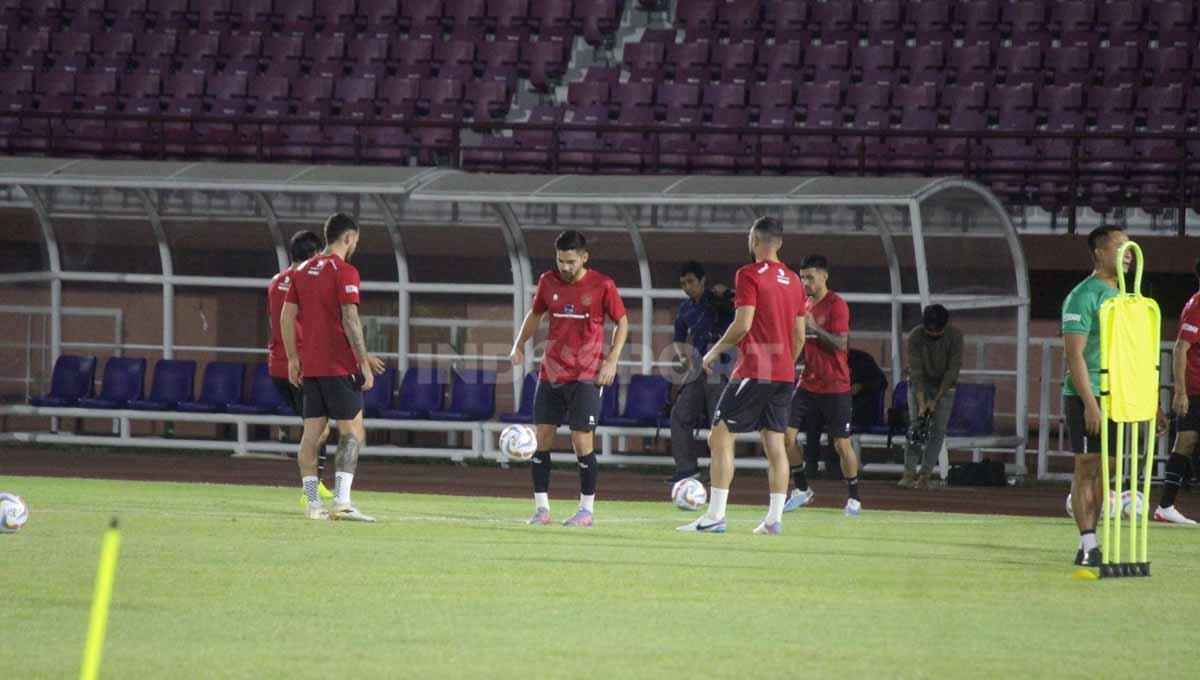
[[610, 402], [524, 412], [264, 396], [971, 414], [122, 383], [897, 413], [734, 62], [73, 379], [173, 380], [472, 397], [688, 62], [379, 397], [420, 395], [739, 20], [645, 396], [220, 387]]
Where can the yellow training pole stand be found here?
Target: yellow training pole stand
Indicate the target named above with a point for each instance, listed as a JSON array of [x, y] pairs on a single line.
[[1130, 327], [94, 647]]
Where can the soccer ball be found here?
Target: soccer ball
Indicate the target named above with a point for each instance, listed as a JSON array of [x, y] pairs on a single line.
[[1112, 504], [13, 513], [518, 442], [1125, 495], [689, 494]]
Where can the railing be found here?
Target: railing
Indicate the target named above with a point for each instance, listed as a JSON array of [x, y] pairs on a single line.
[[1173, 177], [38, 373]]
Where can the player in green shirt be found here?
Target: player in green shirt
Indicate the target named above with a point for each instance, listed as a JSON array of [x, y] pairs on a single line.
[[1081, 389]]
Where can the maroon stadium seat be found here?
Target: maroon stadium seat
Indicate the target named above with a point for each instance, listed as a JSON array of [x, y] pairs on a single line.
[[771, 96], [398, 96], [717, 96], [295, 16], [678, 97], [880, 18], [453, 53], [1023, 16], [971, 63], [381, 18], [876, 63], [785, 18], [1071, 64], [598, 20], [734, 62], [497, 56], [827, 62], [923, 63], [368, 50], [97, 92], [1020, 64], [1120, 20], [688, 61], [978, 19], [438, 93], [928, 20], [466, 14], [906, 98], [1118, 63], [422, 18], [869, 97], [547, 63], [632, 95], [587, 93], [1166, 65], [644, 60], [335, 16], [740, 20], [282, 48], [488, 99], [1073, 19], [697, 17]]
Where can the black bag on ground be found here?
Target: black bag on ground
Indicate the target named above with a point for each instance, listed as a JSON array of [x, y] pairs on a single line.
[[987, 473]]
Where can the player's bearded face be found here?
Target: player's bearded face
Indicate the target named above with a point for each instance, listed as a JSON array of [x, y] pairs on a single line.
[[570, 264], [812, 279]]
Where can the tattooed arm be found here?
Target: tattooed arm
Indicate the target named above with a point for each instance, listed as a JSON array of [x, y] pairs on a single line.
[[352, 326]]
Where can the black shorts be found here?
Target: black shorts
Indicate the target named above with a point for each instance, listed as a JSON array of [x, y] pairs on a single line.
[[575, 403], [1080, 440], [292, 396], [748, 405], [338, 397], [814, 413], [1190, 421]]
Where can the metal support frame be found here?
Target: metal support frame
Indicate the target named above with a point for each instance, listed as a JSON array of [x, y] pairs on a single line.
[[168, 272], [639, 250], [281, 250], [896, 307], [522, 280], [54, 263], [404, 297]]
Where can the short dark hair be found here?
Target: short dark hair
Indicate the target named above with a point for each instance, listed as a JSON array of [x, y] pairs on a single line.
[[304, 245], [768, 227], [935, 318], [1100, 232], [570, 240], [815, 262], [692, 267], [338, 224]]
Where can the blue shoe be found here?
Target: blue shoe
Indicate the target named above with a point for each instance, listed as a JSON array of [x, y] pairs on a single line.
[[798, 499], [705, 525], [765, 529], [581, 518], [541, 517], [853, 508]]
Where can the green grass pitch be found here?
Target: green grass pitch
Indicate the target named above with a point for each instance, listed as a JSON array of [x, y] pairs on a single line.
[[232, 582]]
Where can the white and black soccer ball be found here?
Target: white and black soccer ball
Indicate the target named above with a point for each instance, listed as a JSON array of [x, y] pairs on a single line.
[[689, 494], [13, 513], [1112, 505], [518, 442], [1125, 496]]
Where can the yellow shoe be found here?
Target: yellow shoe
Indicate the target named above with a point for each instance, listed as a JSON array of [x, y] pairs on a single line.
[[323, 492]]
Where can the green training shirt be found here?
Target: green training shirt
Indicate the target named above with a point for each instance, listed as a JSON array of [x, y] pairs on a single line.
[[1081, 316]]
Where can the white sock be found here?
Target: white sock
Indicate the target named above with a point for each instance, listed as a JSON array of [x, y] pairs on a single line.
[[586, 502], [541, 500], [1088, 542], [775, 509], [310, 489], [716, 504], [341, 487]]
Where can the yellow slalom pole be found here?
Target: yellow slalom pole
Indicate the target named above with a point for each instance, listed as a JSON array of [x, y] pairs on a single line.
[[1133, 489], [94, 647], [1106, 552], [1118, 475], [1144, 557]]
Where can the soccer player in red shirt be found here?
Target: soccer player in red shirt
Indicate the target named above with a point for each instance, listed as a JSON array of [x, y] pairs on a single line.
[[822, 402], [1186, 405], [768, 330], [574, 368], [332, 366], [303, 245]]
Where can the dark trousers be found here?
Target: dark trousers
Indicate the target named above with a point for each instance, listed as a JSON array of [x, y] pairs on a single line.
[[693, 408]]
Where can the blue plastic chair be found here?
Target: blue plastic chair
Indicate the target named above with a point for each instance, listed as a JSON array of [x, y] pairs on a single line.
[[899, 406], [122, 383], [645, 396], [971, 415], [379, 397], [264, 397], [472, 397], [610, 402], [73, 379], [222, 386], [420, 395], [173, 383], [524, 412]]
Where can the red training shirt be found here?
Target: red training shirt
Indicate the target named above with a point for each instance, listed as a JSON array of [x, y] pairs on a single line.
[[777, 296], [276, 294], [320, 287], [827, 370], [1189, 331], [575, 342]]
